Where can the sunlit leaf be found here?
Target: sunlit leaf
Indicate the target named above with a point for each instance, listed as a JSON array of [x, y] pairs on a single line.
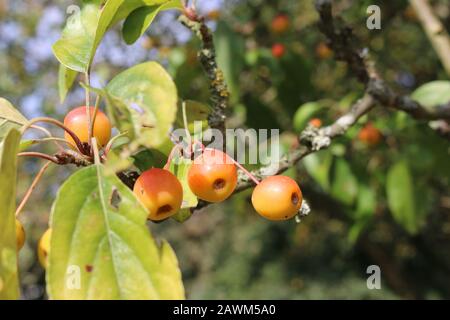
[[9, 118], [66, 78], [9, 285], [100, 235], [140, 19], [150, 96], [433, 93], [180, 168], [85, 29]]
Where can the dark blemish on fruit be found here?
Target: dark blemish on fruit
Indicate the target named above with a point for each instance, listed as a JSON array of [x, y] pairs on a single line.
[[164, 209], [295, 198], [89, 268], [219, 184]]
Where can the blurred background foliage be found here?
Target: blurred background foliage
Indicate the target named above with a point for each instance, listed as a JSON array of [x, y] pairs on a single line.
[[386, 204]]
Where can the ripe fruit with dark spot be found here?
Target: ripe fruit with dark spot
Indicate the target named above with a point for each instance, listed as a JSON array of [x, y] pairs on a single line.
[[44, 248], [77, 121], [213, 176], [278, 50], [280, 24], [160, 192], [277, 198], [370, 135], [20, 235]]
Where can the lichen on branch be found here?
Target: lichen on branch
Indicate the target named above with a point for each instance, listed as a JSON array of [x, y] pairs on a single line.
[[208, 60]]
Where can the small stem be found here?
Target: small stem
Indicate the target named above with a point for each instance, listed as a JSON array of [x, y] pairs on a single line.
[[31, 188], [88, 102], [54, 139], [97, 105], [38, 155], [75, 138], [97, 159], [247, 173], [48, 134], [171, 155], [112, 140], [186, 128]]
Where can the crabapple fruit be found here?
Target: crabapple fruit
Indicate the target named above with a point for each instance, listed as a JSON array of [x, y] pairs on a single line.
[[316, 122], [77, 121], [20, 235], [280, 24], [278, 50], [44, 248], [160, 192], [277, 198], [370, 135], [213, 176]]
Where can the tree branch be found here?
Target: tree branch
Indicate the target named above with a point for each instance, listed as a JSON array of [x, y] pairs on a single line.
[[347, 48], [207, 57], [312, 140], [435, 31]]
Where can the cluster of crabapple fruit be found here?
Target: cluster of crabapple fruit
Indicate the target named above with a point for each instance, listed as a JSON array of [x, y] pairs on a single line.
[[212, 177]]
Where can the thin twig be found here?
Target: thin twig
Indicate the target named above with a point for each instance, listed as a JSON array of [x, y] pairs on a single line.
[[31, 188], [88, 102], [38, 155], [75, 138], [48, 134]]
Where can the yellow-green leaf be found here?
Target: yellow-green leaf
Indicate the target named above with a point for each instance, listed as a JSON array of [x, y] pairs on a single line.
[[100, 235], [140, 19], [9, 118], [150, 95], [180, 168], [9, 286]]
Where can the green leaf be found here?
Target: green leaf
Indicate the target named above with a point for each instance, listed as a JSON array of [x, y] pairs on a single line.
[[140, 20], [9, 285], [195, 112], [75, 47], [25, 144], [150, 96], [66, 78], [366, 203], [85, 29], [344, 183], [180, 168], [318, 167], [147, 159], [304, 114], [433, 93], [229, 47], [99, 234], [400, 196], [9, 118]]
